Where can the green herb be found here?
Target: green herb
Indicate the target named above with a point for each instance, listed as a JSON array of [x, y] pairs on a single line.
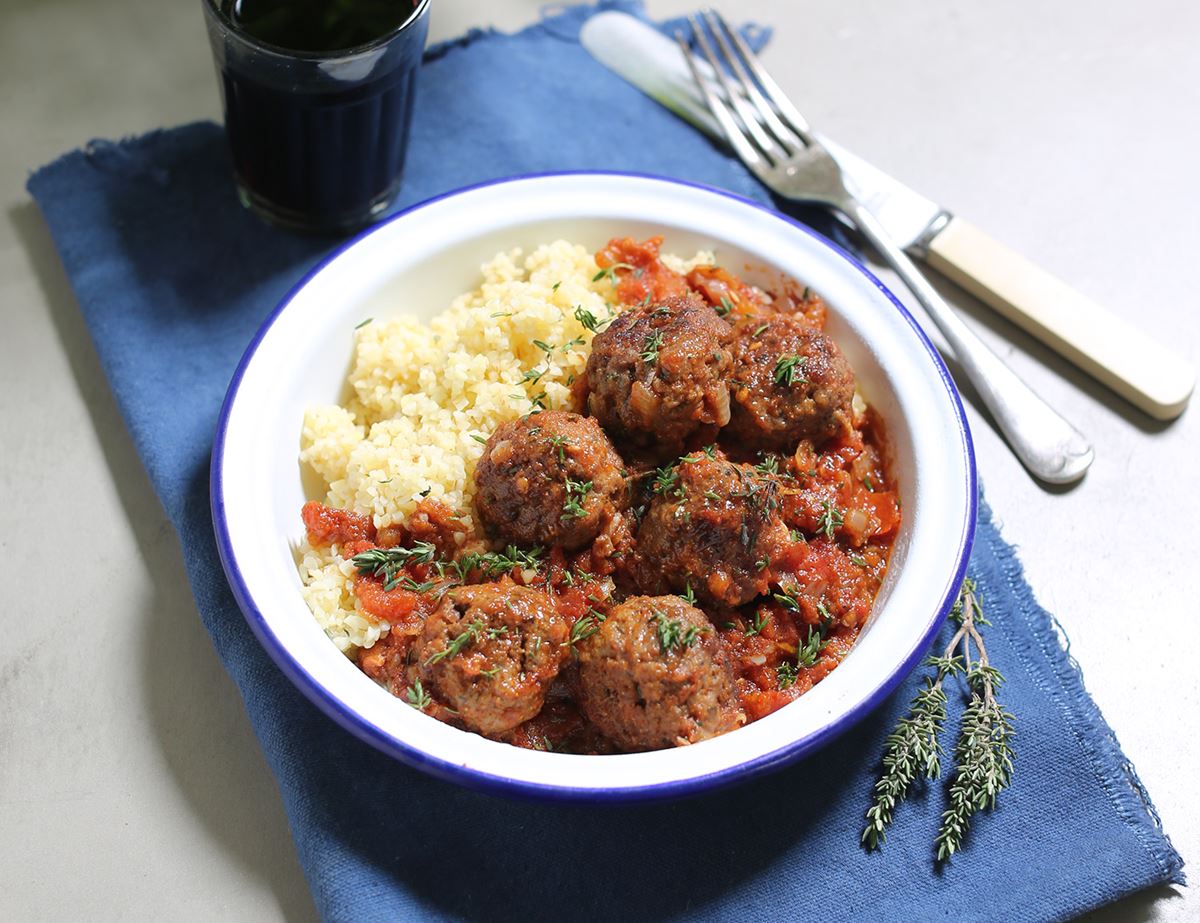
[[560, 442], [496, 563], [583, 629], [666, 483], [611, 272], [830, 520], [539, 400], [983, 753], [789, 370], [534, 375], [796, 535], [710, 450], [554, 287], [761, 563], [787, 673], [810, 651], [672, 633], [712, 495], [769, 464], [687, 595], [543, 346], [758, 624], [417, 697], [413, 587], [479, 439], [426, 492], [858, 559], [725, 308], [651, 347], [468, 637], [386, 562], [490, 674], [868, 483], [787, 599], [577, 492], [571, 344], [363, 323], [588, 319], [502, 314]]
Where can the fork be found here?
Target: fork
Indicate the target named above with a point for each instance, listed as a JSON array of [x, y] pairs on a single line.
[[778, 146]]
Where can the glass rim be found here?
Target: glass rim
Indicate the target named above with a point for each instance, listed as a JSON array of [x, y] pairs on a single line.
[[212, 7]]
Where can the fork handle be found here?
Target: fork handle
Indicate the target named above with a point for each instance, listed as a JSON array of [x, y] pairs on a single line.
[[1050, 447], [1108, 348]]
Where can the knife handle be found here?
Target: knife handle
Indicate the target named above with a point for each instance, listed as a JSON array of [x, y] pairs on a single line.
[[1108, 348]]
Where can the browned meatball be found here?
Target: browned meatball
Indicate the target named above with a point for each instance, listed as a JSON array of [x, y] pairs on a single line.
[[655, 675], [551, 478], [657, 375], [790, 382], [490, 652], [712, 526]]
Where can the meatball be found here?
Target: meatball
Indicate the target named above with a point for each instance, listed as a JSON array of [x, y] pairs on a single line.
[[790, 382], [490, 652], [551, 478], [713, 526], [655, 675], [657, 375]]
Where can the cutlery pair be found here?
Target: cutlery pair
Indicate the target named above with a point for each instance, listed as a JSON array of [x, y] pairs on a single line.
[[740, 102]]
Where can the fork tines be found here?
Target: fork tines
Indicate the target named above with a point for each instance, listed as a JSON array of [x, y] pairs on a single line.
[[754, 109]]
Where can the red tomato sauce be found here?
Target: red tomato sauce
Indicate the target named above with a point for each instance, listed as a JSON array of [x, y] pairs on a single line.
[[838, 502]]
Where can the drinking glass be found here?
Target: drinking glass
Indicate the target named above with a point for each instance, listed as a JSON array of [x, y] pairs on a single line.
[[318, 138]]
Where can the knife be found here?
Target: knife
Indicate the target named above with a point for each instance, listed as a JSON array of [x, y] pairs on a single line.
[[1107, 347]]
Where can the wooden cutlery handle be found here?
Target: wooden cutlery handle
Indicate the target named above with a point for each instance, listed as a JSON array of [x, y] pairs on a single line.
[[1105, 346]]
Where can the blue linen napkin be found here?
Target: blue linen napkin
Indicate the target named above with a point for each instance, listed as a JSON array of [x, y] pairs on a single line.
[[173, 278]]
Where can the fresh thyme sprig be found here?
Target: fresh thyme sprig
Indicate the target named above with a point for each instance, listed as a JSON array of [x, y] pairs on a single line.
[[651, 347], [983, 754], [386, 562], [672, 633]]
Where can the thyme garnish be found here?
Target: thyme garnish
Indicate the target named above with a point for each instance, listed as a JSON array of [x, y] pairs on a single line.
[[588, 320], [830, 520], [611, 272], [790, 369], [456, 647], [583, 629], [672, 634], [417, 697], [386, 562], [495, 563], [650, 348], [577, 492], [983, 754], [559, 442], [725, 308]]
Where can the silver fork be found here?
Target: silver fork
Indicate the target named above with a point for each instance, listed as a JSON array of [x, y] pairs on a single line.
[[776, 143]]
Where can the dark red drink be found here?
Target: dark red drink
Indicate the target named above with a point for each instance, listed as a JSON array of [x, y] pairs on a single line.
[[318, 130]]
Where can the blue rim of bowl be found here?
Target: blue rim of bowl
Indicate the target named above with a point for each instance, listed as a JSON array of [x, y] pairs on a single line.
[[494, 783]]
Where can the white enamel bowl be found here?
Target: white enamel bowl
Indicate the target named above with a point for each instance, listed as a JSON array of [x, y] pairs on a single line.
[[420, 260]]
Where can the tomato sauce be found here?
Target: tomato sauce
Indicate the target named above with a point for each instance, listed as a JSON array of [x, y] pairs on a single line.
[[836, 500]]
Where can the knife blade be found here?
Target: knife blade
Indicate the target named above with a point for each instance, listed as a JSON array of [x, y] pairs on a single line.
[[1113, 351]]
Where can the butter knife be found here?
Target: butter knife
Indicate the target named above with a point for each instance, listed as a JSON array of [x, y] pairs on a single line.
[[1107, 347]]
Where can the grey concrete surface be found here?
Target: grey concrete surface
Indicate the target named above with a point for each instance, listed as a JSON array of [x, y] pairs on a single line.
[[131, 785]]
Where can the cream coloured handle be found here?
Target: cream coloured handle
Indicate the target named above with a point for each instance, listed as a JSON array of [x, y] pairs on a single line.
[[1111, 350]]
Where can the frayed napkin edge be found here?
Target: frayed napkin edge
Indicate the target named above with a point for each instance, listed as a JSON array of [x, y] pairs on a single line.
[[1111, 765]]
